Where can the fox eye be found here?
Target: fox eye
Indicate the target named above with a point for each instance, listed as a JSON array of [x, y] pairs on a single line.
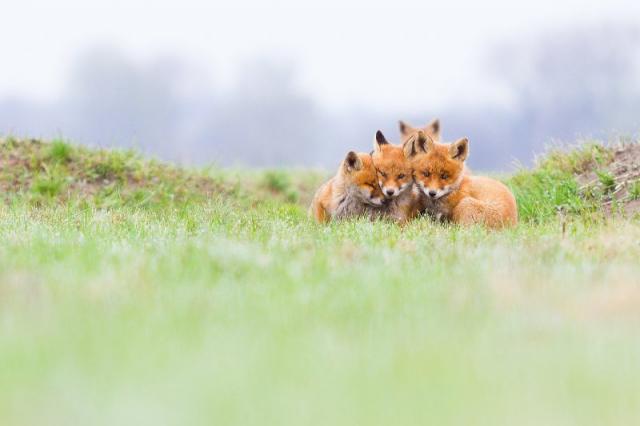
[[444, 176], [426, 173], [383, 174], [401, 176]]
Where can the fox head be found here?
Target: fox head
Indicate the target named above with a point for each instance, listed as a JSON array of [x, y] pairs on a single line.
[[360, 176], [394, 170], [408, 133], [438, 168]]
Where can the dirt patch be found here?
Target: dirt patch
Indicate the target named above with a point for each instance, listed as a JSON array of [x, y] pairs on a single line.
[[616, 183]]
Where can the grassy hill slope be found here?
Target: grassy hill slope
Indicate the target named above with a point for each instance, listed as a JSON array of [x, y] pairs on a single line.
[[132, 292], [585, 180]]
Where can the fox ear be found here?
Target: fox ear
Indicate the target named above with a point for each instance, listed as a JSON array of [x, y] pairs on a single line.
[[405, 128], [459, 150], [433, 129], [415, 144], [420, 142], [352, 162], [378, 141], [409, 148]]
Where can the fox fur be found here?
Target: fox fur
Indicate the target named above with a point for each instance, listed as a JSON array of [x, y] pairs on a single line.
[[450, 192], [395, 179], [353, 191], [408, 133]]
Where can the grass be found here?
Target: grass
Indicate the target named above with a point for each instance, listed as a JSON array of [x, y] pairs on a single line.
[[607, 180], [578, 158], [60, 151], [279, 182], [60, 173], [231, 307], [634, 190]]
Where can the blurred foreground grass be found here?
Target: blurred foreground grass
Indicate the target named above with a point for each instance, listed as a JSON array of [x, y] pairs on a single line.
[[224, 304]]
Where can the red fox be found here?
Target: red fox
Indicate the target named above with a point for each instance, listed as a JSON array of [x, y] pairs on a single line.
[[450, 193], [408, 132], [353, 191], [395, 179]]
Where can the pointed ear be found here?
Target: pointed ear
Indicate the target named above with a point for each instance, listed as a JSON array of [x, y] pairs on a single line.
[[428, 144], [420, 142], [405, 128], [352, 162], [433, 129], [378, 141], [409, 148], [459, 150], [415, 144]]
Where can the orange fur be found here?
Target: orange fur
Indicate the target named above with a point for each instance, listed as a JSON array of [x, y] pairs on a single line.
[[451, 193], [408, 132], [395, 179], [409, 135], [353, 191]]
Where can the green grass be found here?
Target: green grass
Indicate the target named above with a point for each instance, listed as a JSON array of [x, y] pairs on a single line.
[[577, 158], [60, 151], [59, 173], [279, 182], [634, 190], [231, 307], [607, 180], [551, 186]]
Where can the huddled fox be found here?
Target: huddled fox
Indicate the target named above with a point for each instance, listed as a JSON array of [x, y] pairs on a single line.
[[419, 176]]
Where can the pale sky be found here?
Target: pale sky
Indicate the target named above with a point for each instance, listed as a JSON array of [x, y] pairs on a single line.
[[348, 54]]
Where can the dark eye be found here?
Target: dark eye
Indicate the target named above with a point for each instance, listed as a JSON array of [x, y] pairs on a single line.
[[426, 173], [444, 176], [401, 176], [383, 174]]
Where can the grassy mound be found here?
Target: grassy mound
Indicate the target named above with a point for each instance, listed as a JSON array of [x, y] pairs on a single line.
[[57, 172], [590, 180], [44, 172]]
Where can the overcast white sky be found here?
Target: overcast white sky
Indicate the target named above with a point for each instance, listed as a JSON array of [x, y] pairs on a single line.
[[372, 53]]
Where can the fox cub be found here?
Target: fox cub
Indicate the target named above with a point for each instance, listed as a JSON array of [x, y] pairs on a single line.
[[394, 178], [450, 193], [353, 191], [408, 133]]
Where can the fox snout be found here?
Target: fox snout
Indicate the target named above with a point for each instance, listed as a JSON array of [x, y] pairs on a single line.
[[434, 193], [390, 192]]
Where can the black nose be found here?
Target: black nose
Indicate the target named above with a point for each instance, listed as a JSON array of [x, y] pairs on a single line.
[[390, 191], [432, 193]]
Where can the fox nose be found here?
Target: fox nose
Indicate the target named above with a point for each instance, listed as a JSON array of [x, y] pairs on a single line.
[[390, 192], [432, 193]]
